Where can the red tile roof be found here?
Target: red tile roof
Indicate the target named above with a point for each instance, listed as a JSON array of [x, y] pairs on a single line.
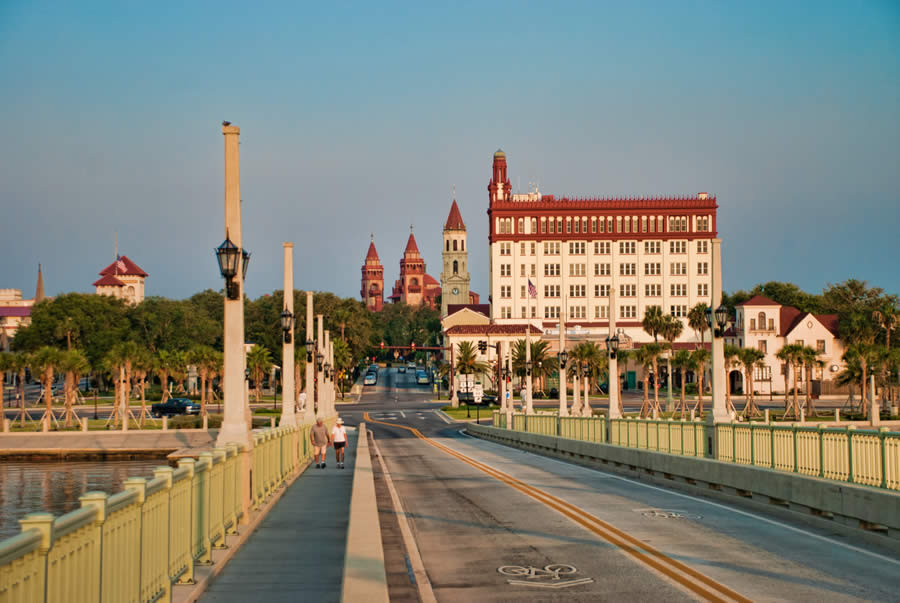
[[454, 220], [108, 280], [480, 308], [491, 330], [372, 254], [759, 300], [123, 267]]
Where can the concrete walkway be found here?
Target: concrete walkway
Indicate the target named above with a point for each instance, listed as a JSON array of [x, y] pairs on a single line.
[[297, 552]]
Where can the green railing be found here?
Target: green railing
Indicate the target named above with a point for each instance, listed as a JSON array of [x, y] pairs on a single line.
[[843, 454], [133, 545], [588, 429], [672, 437]]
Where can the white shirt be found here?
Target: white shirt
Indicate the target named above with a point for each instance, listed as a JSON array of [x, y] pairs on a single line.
[[338, 433]]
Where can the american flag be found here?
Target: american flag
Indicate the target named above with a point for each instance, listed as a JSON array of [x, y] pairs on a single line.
[[532, 290]]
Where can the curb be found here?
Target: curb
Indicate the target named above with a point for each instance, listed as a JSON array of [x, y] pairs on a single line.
[[365, 578]]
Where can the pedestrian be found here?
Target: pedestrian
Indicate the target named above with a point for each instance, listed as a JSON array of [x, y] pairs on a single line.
[[319, 437], [339, 437]]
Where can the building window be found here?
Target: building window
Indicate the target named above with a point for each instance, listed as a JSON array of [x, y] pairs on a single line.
[[551, 269], [627, 269], [678, 311], [577, 270], [505, 269], [601, 290], [820, 346], [678, 268], [652, 269], [601, 270], [577, 290], [551, 311], [702, 290], [627, 311], [506, 291], [628, 290], [678, 290], [702, 246], [627, 247], [653, 290], [577, 247], [702, 268], [652, 247], [602, 247]]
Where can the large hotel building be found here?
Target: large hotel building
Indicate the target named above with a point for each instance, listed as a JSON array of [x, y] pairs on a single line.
[[654, 251]]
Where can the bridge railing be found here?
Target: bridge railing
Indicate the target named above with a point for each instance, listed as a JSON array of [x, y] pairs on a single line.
[[133, 545], [588, 429]]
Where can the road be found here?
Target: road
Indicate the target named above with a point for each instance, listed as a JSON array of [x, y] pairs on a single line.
[[474, 507]]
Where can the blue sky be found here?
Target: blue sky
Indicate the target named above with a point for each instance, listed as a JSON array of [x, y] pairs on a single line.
[[360, 118]]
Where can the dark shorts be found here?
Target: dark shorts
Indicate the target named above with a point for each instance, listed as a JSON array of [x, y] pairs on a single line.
[[339, 445]]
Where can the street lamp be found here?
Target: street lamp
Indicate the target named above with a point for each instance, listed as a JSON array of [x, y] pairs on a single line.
[[612, 344], [287, 324], [227, 255]]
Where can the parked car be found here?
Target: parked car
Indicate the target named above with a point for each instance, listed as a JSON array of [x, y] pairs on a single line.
[[371, 378], [175, 406]]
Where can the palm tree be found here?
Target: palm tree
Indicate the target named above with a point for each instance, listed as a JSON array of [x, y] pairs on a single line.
[[701, 358], [74, 364], [200, 357], [653, 322], [697, 321], [683, 361], [43, 363], [790, 354], [732, 352], [751, 359], [670, 328], [259, 361]]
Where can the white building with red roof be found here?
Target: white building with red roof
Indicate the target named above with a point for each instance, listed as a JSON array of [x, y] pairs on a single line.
[[122, 279], [768, 326]]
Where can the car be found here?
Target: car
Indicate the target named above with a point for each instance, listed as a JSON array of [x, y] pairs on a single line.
[[175, 406], [370, 379], [422, 377]]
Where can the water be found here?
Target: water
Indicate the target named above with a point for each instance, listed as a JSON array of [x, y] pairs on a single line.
[[54, 487]]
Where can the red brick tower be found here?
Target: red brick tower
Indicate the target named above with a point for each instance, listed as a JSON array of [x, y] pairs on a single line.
[[372, 288], [412, 273]]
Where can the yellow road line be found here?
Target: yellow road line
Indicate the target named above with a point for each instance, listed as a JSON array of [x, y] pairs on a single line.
[[700, 584]]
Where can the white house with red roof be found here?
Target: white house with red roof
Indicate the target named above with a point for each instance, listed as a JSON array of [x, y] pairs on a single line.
[[122, 279], [768, 326]]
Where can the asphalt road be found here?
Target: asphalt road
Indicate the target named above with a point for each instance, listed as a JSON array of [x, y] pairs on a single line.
[[475, 507]]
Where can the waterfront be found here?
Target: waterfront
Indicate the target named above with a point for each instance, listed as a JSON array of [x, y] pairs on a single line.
[[54, 487]]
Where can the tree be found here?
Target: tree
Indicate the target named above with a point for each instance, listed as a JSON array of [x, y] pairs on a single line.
[[697, 321], [701, 359], [751, 359], [653, 322], [259, 361], [43, 363], [683, 361], [74, 364]]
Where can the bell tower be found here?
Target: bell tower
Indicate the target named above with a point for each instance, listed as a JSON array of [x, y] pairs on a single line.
[[454, 256]]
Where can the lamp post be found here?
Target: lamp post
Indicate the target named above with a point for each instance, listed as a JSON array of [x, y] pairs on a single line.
[[288, 394], [563, 386]]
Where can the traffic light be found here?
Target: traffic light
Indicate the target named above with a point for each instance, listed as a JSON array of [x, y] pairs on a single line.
[[482, 346]]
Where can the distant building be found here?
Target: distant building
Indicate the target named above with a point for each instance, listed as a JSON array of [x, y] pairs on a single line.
[[122, 279], [15, 312], [768, 326]]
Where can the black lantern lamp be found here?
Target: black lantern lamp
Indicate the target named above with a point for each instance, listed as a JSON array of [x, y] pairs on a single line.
[[320, 358], [528, 367], [287, 324], [563, 359], [310, 345], [612, 344], [227, 255]]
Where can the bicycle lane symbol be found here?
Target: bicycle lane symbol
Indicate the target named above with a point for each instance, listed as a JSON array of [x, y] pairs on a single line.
[[548, 576]]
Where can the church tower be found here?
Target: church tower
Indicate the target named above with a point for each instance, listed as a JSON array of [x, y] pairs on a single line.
[[372, 288], [454, 276]]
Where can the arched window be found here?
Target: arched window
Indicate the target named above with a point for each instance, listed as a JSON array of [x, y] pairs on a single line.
[[454, 244], [455, 267], [761, 321]]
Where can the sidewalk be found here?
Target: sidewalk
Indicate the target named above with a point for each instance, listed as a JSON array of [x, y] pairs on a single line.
[[297, 552]]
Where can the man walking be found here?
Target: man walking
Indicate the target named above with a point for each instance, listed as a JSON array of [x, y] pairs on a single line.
[[319, 437], [339, 437]]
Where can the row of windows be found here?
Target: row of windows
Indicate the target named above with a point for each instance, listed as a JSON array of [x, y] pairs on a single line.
[[603, 224]]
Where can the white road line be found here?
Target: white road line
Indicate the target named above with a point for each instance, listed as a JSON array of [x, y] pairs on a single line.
[[705, 502]]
